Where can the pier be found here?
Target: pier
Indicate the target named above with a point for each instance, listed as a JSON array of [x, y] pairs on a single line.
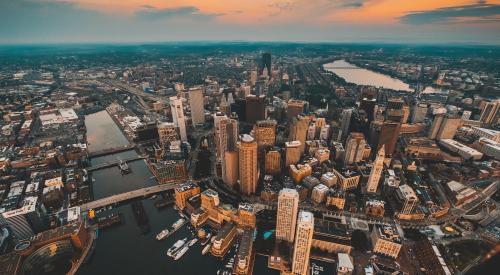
[[144, 192], [110, 151], [112, 163]]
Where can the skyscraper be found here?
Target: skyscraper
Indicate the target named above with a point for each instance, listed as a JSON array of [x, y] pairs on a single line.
[[418, 113], [178, 116], [255, 108], [355, 145], [272, 165], [266, 63], [490, 113], [286, 218], [345, 122], [376, 171], [294, 108], [167, 132], [265, 132], [292, 154], [303, 240], [298, 130], [444, 126], [248, 165], [227, 137], [389, 135], [196, 102]]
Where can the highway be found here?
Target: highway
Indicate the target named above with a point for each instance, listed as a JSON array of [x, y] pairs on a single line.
[[137, 92]]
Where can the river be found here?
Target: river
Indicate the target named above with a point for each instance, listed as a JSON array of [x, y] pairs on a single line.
[[124, 249], [360, 76]]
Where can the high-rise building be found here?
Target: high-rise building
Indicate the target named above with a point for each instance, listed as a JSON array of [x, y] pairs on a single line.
[[408, 198], [345, 122], [267, 63], [368, 105], [286, 218], [418, 113], [376, 172], [227, 137], [196, 102], [355, 145], [255, 108], [178, 116], [298, 130], [292, 154], [167, 132], [26, 221], [294, 108], [388, 136], [303, 242], [265, 133], [444, 126], [218, 117], [248, 170], [272, 162], [490, 113]]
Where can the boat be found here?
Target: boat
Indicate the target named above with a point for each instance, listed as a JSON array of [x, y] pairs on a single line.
[[177, 245], [193, 241], [181, 252], [162, 235], [207, 239], [178, 223], [206, 249]]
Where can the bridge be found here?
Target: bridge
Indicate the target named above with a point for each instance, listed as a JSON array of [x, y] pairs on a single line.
[[112, 163], [138, 193], [110, 151], [343, 68]]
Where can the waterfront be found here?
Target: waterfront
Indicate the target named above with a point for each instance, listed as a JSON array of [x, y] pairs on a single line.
[[127, 248], [360, 76]]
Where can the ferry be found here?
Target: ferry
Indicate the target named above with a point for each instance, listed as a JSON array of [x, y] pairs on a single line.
[[206, 249], [207, 239], [193, 241], [181, 252], [162, 235], [177, 245]]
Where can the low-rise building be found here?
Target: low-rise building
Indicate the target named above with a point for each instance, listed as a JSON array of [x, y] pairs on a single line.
[[347, 179], [223, 239], [386, 241]]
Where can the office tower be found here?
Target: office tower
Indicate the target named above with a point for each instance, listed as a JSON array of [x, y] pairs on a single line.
[[227, 137], [272, 164], [388, 136], [255, 108], [368, 105], [444, 126], [355, 145], [266, 63], [324, 133], [303, 242], [376, 172], [395, 103], [239, 108], [408, 198], [311, 131], [345, 122], [230, 168], [286, 217], [418, 113], [292, 155], [294, 108], [218, 117], [298, 130], [196, 102], [178, 116], [30, 218], [490, 113], [265, 132], [466, 115], [406, 114], [248, 165], [167, 132]]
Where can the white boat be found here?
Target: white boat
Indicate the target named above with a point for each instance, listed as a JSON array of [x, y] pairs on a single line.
[[206, 249], [179, 254], [193, 241], [178, 223], [160, 236], [177, 245]]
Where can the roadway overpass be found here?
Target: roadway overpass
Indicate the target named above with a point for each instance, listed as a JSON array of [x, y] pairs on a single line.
[[143, 192]]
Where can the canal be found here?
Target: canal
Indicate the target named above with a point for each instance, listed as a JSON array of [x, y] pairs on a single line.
[[360, 76], [126, 248]]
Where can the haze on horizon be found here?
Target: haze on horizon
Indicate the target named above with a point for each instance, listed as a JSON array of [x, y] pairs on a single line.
[[125, 21]]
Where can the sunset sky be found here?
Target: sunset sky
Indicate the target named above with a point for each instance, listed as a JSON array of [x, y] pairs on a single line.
[[391, 21]]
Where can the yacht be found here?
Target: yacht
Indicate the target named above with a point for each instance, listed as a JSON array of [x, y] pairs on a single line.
[[206, 249], [162, 235], [181, 252], [177, 245], [193, 241]]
